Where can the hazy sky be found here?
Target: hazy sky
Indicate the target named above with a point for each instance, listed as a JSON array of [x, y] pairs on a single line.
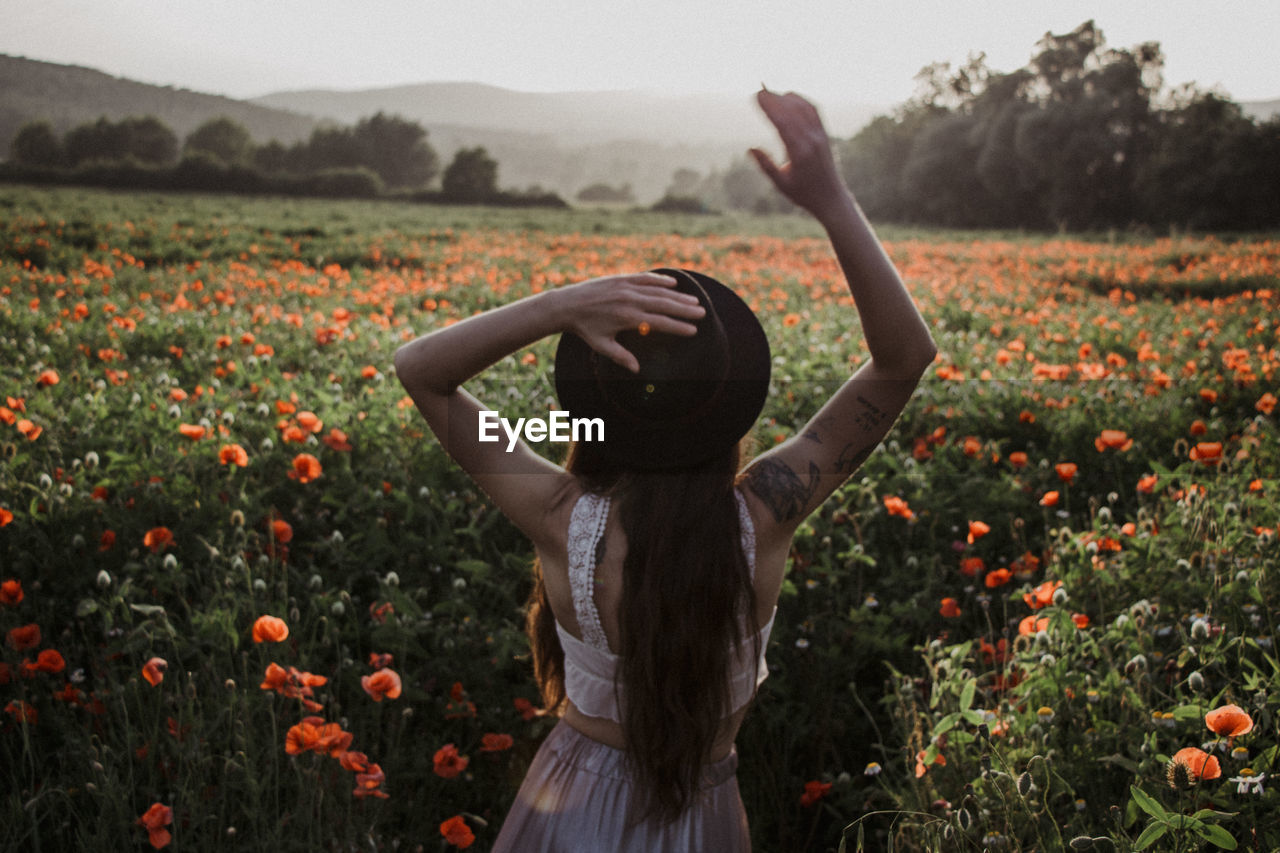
[[848, 50]]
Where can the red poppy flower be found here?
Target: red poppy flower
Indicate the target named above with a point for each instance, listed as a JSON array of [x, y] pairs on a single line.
[[491, 742], [50, 660], [970, 566], [1066, 471], [1032, 625], [1199, 763], [10, 592], [384, 682], [47, 378], [1147, 484], [306, 468], [448, 763], [1018, 459], [950, 609], [1041, 596], [1229, 721], [310, 422], [999, 577], [24, 637], [153, 670], [814, 791], [270, 629], [233, 454], [356, 762], [457, 833], [22, 712], [337, 440], [1112, 439], [157, 539], [921, 768], [369, 783], [1266, 403], [897, 506], [281, 530], [1049, 499], [1208, 452], [195, 432], [978, 529]]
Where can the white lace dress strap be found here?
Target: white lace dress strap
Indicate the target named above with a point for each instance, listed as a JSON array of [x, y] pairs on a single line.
[[586, 526], [748, 533]]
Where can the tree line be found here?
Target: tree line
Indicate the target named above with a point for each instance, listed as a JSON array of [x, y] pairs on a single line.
[[1082, 137], [379, 155]]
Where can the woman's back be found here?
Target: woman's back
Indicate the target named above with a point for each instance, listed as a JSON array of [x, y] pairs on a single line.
[[585, 588]]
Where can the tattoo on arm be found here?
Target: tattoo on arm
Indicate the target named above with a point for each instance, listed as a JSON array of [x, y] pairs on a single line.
[[852, 457], [869, 417], [781, 488]]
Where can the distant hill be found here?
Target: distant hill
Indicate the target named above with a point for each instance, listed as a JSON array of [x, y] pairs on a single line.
[[567, 140], [68, 95]]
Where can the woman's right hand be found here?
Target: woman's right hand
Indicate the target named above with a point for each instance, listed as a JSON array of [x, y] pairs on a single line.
[[809, 177], [598, 309]]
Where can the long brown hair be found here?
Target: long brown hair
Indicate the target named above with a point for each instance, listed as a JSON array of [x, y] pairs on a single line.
[[687, 597]]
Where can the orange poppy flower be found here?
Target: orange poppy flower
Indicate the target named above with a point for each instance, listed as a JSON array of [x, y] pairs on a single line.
[[971, 446], [950, 609], [1198, 428], [491, 742], [5, 516], [1208, 452], [1200, 764], [154, 820], [1081, 620], [22, 712], [356, 762], [457, 833], [270, 629], [1147, 484], [281, 530], [384, 682], [1229, 721], [1041, 596], [1112, 439], [337, 440], [1209, 395], [978, 529], [999, 577], [1049, 499], [47, 378], [157, 539], [448, 763], [29, 430], [921, 768], [1266, 403], [970, 566], [153, 670], [897, 506], [233, 454], [1066, 471], [11, 592], [309, 422], [369, 783], [306, 468], [195, 432], [1018, 459], [1032, 625]]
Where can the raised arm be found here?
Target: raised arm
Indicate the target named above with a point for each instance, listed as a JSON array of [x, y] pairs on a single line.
[[522, 483], [791, 480]]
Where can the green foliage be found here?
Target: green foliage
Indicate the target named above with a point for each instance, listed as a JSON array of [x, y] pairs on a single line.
[[1078, 138], [225, 139], [221, 313], [471, 177]]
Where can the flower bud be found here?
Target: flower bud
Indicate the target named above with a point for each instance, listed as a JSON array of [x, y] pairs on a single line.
[[1195, 681], [104, 579]]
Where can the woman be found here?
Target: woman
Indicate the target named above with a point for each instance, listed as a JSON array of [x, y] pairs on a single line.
[[659, 563]]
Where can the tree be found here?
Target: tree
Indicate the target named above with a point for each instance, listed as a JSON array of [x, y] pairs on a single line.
[[36, 144], [224, 138], [397, 150], [149, 140], [471, 177], [145, 139]]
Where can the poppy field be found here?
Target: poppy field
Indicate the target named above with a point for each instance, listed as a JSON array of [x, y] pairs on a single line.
[[247, 603]]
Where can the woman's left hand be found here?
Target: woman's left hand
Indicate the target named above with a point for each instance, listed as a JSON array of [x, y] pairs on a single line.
[[598, 309]]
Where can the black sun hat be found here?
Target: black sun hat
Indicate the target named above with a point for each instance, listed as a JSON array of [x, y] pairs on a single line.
[[693, 396]]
